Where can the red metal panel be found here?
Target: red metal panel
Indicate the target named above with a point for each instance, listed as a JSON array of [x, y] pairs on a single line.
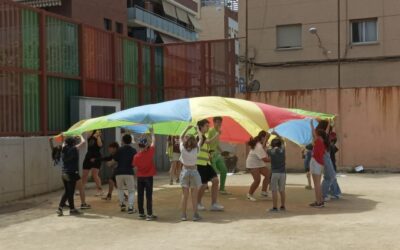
[[98, 55], [10, 36], [11, 103], [97, 89], [119, 59]]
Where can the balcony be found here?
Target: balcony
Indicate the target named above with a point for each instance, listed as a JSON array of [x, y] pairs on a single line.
[[142, 17]]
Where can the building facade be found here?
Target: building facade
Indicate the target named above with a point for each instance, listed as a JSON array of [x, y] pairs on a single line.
[[334, 56], [163, 21], [282, 50], [110, 15], [219, 19], [154, 21]]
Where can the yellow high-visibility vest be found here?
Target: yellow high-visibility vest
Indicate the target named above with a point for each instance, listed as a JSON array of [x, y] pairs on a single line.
[[203, 158]]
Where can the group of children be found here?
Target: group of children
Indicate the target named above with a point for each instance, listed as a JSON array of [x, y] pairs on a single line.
[[199, 162]]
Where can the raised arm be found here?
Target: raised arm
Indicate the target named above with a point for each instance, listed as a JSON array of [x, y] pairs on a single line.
[[81, 142], [215, 137], [200, 142], [314, 134], [99, 141], [153, 137], [185, 132]]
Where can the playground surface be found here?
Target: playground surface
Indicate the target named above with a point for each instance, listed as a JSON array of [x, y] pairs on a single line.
[[367, 217]]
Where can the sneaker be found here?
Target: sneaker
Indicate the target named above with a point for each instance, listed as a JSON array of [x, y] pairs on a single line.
[[183, 217], [336, 197], [282, 208], [317, 205], [308, 187], [123, 207], [274, 210], [151, 217], [85, 206], [107, 198], [224, 192], [216, 207], [200, 207], [99, 194], [59, 211], [264, 193], [251, 197], [131, 210], [75, 212], [142, 216], [196, 217], [326, 199]]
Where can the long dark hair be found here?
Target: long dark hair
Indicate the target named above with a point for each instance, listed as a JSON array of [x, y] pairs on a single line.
[[325, 138], [253, 141]]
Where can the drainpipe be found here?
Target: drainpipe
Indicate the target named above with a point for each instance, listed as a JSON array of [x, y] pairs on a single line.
[[339, 83]]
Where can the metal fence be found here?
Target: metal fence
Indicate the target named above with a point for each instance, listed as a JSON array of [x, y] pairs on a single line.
[[45, 59]]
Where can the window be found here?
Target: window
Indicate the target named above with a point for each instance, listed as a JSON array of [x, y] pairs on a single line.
[[119, 28], [107, 24], [364, 31], [288, 36]]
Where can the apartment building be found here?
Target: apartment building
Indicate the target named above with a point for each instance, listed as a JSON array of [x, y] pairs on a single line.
[[154, 21], [293, 44]]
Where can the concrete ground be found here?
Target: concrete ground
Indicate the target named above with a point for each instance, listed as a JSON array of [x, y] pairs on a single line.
[[366, 218]]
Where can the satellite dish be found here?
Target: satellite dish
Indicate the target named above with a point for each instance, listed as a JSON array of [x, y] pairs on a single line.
[[253, 86]]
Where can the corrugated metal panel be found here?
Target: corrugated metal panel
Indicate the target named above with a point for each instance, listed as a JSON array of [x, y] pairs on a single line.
[[59, 93], [119, 59], [98, 57], [62, 47], [159, 73], [146, 70], [146, 65], [130, 62], [10, 103], [10, 38], [102, 90], [31, 103], [30, 39], [131, 97]]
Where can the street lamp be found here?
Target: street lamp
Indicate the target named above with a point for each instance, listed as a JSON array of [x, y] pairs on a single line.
[[314, 31]]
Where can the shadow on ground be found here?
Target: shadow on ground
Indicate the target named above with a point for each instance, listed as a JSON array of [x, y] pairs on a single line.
[[167, 202]]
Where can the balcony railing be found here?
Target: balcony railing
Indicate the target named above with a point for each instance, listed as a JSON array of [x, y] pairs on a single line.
[[231, 4], [146, 18]]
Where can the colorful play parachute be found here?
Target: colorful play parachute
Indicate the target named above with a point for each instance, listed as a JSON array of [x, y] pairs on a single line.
[[241, 118]]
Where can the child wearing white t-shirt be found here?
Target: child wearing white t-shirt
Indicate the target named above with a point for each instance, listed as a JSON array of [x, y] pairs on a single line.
[[256, 164], [189, 177]]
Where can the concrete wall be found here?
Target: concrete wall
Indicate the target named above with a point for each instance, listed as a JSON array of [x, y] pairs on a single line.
[[26, 168], [368, 124], [212, 23]]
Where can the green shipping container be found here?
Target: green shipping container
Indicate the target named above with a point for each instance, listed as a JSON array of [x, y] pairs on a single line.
[[130, 53], [59, 92], [159, 73], [30, 39], [131, 97], [146, 56], [62, 47], [31, 103]]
